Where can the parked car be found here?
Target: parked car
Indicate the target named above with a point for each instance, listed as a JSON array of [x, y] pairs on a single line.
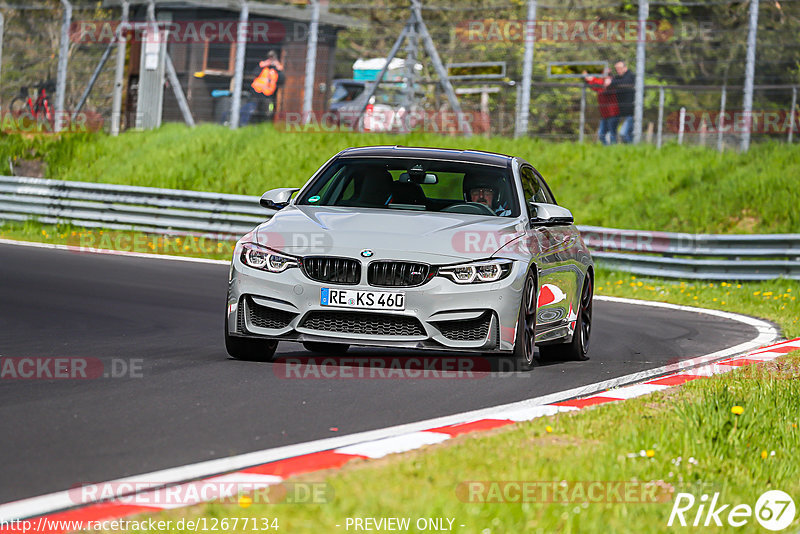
[[385, 111], [416, 248]]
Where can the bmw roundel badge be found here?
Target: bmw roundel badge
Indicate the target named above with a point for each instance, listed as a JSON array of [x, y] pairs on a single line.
[[367, 253]]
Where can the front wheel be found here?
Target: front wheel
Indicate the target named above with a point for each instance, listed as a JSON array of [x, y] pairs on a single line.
[[525, 341], [579, 346], [249, 349]]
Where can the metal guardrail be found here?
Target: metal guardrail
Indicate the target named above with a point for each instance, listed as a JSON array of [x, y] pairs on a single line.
[[664, 254], [697, 256], [124, 207]]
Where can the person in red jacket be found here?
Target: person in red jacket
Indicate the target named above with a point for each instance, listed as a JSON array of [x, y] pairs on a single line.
[[607, 104]]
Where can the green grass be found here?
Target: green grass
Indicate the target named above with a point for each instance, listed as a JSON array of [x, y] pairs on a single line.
[[685, 439], [775, 300], [677, 188]]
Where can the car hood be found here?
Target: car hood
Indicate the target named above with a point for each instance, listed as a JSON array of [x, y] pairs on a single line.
[[388, 233]]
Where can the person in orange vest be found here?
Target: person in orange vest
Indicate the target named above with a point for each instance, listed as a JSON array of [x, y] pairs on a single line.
[[266, 83]]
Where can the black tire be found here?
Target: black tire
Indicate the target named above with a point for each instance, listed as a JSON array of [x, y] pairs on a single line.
[[578, 348], [326, 348], [525, 357], [249, 349]]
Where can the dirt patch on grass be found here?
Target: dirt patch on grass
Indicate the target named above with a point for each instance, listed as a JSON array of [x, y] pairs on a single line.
[[746, 222], [32, 168]]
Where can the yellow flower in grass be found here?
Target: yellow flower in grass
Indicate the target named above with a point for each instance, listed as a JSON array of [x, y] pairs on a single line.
[[650, 453], [548, 429], [764, 455], [737, 410]]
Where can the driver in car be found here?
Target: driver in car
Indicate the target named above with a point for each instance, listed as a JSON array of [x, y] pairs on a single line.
[[484, 191]]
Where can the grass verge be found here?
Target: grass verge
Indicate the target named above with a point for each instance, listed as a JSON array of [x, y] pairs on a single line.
[[677, 188]]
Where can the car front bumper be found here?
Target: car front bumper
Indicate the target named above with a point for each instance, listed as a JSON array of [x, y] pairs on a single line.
[[439, 314]]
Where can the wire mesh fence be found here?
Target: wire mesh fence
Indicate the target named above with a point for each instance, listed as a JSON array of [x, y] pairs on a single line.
[[694, 76]]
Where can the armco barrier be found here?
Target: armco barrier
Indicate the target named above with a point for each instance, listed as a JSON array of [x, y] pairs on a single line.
[[676, 255]]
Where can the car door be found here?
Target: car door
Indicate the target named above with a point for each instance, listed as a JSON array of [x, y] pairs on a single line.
[[559, 274]]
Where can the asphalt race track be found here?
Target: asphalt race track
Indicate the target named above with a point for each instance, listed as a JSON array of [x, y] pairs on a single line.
[[189, 402]]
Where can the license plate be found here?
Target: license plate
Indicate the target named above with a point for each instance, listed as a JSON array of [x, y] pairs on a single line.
[[368, 300]]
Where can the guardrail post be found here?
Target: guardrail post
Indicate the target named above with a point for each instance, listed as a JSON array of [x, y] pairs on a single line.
[[63, 60], [660, 116]]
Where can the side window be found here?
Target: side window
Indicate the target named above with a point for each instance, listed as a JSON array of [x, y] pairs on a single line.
[[532, 186], [545, 190]]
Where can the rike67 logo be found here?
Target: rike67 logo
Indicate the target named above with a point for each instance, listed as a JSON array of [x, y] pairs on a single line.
[[774, 510]]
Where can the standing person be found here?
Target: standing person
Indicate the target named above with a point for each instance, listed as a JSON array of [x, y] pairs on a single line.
[[622, 84], [607, 104], [267, 82]]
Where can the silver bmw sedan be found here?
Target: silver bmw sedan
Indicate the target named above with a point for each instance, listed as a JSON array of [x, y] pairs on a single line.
[[420, 248]]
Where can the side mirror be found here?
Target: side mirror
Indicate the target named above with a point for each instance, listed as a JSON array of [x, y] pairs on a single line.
[[277, 199], [550, 215]]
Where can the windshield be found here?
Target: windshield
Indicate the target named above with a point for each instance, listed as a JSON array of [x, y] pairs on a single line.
[[413, 184]]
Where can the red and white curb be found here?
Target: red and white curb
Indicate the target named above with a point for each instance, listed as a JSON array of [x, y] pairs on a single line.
[[275, 472]]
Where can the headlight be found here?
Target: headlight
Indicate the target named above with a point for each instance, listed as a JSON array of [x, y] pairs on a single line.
[[259, 257], [477, 272]]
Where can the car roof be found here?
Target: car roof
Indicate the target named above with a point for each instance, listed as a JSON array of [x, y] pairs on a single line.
[[466, 156]]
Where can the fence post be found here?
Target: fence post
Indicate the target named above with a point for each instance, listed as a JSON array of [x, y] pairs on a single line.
[[791, 114], [63, 58], [749, 73], [583, 114], [721, 120], [660, 116], [681, 125], [638, 104], [2, 31], [524, 107], [238, 73], [119, 71], [311, 61]]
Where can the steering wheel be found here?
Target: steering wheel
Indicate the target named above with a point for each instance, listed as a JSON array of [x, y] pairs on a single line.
[[470, 208]]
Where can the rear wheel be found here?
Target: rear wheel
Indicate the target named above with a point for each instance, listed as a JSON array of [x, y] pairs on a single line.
[[579, 346], [326, 348], [525, 341], [250, 349]]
